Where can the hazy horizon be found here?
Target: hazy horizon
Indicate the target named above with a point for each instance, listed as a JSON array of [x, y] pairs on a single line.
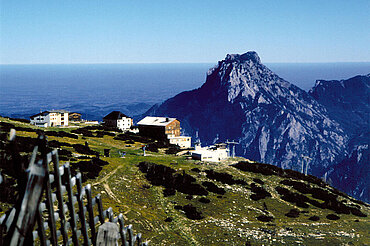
[[144, 63], [131, 88]]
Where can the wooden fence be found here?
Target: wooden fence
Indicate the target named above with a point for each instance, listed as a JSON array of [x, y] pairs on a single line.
[[57, 210]]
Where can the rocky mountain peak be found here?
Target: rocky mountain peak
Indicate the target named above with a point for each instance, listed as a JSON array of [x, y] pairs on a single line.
[[273, 120], [243, 75], [249, 56]]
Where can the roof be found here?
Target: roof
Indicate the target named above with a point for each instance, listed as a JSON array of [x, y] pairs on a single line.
[[155, 121], [40, 114], [58, 111], [115, 115], [179, 137], [48, 112]]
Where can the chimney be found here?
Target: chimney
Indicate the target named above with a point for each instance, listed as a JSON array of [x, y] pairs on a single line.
[[167, 119]]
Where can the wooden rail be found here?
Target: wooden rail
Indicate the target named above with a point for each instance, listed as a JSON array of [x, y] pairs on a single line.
[[64, 211]]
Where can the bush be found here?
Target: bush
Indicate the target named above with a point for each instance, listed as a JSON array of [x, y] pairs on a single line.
[[267, 169], [259, 192], [61, 134], [197, 170], [89, 169], [83, 149], [166, 176], [57, 144], [83, 131], [259, 181], [173, 149], [314, 218], [265, 218], [211, 187], [224, 178], [295, 198], [293, 213], [64, 152], [192, 213], [204, 200], [332, 217], [132, 136]]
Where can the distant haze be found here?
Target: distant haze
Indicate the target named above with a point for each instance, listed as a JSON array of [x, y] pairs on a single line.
[[304, 75], [95, 90]]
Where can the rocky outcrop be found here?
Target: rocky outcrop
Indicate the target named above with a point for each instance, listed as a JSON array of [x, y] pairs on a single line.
[[348, 102]]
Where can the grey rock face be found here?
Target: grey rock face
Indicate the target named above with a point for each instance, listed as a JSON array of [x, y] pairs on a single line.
[[347, 101], [352, 174], [275, 121]]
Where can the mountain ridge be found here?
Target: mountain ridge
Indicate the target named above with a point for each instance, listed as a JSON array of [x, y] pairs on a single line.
[[242, 89], [274, 120], [348, 102]]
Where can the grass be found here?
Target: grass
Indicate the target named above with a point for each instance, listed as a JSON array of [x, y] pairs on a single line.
[[229, 219]]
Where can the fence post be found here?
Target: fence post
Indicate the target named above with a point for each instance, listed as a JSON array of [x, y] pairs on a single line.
[[122, 230], [100, 209], [91, 214], [70, 204], [49, 199], [25, 221], [107, 234], [130, 233], [58, 184], [40, 227], [81, 209]]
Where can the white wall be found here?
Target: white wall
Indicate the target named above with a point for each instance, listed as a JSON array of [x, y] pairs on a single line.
[[205, 154], [183, 142], [124, 124]]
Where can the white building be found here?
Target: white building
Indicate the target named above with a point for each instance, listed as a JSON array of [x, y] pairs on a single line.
[[50, 118], [119, 120], [182, 141], [210, 153]]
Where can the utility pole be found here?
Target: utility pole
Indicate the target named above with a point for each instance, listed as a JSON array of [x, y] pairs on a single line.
[[144, 149], [325, 176], [232, 143], [307, 159], [197, 139]]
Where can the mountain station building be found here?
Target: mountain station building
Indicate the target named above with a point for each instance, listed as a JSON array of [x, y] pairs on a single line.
[[163, 128], [118, 120], [50, 118], [74, 116], [214, 153]]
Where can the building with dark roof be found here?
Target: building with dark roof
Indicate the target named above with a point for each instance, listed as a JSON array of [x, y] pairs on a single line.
[[119, 120], [50, 118], [159, 127], [74, 116]]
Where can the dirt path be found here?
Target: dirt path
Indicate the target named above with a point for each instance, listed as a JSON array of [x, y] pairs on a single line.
[[106, 177], [106, 186], [110, 193]]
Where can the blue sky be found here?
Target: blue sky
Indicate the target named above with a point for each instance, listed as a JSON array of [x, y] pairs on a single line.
[[104, 31]]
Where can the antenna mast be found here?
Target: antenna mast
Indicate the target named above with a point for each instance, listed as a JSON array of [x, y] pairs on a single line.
[[307, 159], [197, 140], [232, 143]]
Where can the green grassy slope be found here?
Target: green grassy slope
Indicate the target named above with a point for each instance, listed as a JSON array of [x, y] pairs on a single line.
[[227, 219]]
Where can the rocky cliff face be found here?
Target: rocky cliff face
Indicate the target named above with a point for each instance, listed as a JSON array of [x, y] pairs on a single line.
[[348, 102], [274, 121], [352, 174]]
